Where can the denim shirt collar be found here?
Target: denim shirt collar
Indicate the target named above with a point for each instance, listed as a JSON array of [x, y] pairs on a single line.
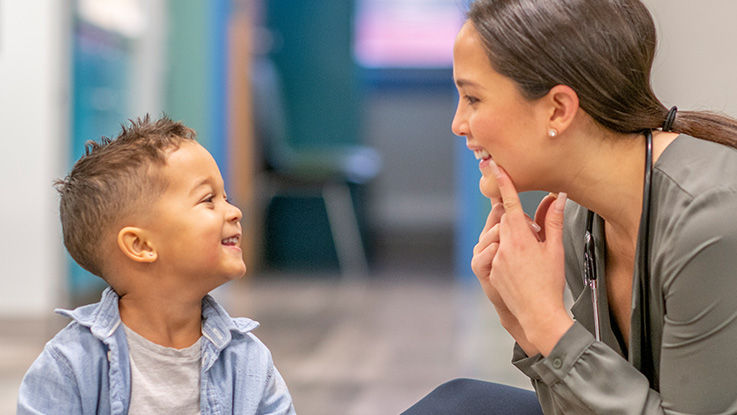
[[112, 363], [218, 328], [103, 319]]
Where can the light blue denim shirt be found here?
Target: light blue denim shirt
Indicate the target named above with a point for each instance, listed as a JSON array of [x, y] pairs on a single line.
[[85, 368]]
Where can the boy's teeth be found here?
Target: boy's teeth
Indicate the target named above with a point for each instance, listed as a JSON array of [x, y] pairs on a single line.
[[481, 154], [230, 241]]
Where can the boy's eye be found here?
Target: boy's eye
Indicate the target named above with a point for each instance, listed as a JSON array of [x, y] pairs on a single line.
[[209, 199]]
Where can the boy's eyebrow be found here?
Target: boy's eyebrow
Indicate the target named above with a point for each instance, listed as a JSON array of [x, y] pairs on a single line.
[[203, 182]]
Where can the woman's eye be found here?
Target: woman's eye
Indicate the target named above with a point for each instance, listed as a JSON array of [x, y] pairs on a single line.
[[471, 100]]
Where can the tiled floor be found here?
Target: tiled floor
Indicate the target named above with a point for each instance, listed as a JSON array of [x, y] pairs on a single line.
[[348, 347], [366, 348]]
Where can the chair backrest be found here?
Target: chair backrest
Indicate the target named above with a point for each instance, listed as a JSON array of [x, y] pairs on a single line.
[[269, 115]]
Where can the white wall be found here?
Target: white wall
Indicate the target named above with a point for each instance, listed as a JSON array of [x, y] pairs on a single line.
[[696, 63], [34, 128]]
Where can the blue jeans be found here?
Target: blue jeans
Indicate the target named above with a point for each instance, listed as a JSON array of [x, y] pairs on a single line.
[[475, 397]]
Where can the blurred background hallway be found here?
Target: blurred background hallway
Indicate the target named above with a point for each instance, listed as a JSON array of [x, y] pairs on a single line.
[[330, 121]]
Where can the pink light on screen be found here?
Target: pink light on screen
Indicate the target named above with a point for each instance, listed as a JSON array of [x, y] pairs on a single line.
[[407, 33]]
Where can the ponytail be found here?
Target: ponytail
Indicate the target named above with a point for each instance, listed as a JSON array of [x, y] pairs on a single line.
[[707, 125]]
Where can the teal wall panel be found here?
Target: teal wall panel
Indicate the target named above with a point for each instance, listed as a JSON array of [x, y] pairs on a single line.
[[313, 53], [196, 88], [100, 80], [190, 66]]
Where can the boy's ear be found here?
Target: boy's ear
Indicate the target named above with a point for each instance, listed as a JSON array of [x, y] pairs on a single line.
[[562, 107], [135, 245]]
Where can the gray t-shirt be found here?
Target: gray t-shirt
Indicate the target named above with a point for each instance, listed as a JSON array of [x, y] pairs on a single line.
[[164, 380]]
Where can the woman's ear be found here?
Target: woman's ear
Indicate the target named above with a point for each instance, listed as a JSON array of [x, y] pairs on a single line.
[[562, 104], [135, 245]]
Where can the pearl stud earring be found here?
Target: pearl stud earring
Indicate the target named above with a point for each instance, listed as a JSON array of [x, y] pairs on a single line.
[[552, 132]]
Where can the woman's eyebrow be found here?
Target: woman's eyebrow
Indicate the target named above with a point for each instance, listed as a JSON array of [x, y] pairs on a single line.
[[465, 82]]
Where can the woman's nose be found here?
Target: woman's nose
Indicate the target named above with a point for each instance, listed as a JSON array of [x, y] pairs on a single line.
[[459, 126]]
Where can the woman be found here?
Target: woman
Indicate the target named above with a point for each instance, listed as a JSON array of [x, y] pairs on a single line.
[[555, 95]]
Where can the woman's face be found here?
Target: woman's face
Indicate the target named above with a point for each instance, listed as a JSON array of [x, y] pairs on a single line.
[[494, 117]]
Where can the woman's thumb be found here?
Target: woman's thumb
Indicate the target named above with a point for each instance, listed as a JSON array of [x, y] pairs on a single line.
[[554, 220]]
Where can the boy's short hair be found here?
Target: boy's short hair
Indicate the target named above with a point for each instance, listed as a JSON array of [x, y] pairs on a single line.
[[112, 180]]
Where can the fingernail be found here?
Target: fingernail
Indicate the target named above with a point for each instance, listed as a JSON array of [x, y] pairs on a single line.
[[560, 202], [495, 169], [535, 227]]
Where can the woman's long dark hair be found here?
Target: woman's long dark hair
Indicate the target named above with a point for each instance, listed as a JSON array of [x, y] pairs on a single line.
[[603, 49]]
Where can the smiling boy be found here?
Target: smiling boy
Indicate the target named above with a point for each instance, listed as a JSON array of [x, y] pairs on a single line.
[[148, 213]]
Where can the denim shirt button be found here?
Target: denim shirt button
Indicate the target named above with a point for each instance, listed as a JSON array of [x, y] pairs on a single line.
[[557, 363]]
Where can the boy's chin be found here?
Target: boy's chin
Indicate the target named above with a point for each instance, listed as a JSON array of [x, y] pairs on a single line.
[[237, 274], [233, 273]]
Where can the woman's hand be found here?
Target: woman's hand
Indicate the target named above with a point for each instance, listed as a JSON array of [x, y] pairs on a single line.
[[483, 255], [541, 213], [527, 273], [484, 252]]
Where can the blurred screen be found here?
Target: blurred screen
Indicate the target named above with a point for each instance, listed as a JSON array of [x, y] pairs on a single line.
[[406, 33]]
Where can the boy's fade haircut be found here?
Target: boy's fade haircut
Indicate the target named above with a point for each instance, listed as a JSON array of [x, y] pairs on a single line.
[[113, 179]]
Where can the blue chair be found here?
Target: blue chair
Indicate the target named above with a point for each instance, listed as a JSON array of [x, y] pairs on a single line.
[[325, 172]]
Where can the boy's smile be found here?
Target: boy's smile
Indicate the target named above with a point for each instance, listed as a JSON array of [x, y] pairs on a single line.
[[193, 228]]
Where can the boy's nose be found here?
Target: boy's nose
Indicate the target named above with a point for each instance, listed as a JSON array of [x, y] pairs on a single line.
[[234, 214]]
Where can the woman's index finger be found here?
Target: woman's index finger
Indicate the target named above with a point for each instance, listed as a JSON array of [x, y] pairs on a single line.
[[510, 198]]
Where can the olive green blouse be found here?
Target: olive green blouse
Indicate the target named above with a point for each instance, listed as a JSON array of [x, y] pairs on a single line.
[[692, 301]]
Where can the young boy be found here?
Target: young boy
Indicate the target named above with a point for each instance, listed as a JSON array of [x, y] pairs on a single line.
[[148, 213]]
